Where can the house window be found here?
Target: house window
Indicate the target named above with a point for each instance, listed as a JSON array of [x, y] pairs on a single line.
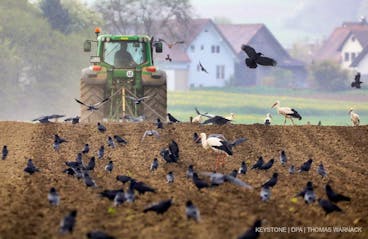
[[220, 72], [202, 47], [346, 58], [215, 49], [352, 56], [192, 48], [198, 68]]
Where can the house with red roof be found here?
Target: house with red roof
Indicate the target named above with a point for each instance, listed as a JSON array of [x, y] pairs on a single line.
[[346, 46], [218, 48]]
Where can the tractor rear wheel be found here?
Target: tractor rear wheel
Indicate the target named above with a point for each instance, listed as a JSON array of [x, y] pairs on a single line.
[[91, 94], [156, 105]]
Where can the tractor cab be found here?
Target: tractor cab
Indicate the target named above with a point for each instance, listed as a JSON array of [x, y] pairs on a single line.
[[123, 68]]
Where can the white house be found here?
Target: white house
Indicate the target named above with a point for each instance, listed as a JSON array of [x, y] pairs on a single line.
[[360, 63], [218, 49], [345, 44]]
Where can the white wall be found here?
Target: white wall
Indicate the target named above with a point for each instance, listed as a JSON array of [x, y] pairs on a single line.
[[208, 37], [363, 66], [350, 46]]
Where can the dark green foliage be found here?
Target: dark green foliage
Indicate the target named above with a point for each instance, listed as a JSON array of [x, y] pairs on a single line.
[[56, 15]]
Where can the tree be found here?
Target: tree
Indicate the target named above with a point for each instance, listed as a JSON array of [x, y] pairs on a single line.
[[328, 76], [143, 16], [56, 15]]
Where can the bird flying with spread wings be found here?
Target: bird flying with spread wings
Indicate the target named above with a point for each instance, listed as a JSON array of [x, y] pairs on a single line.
[[256, 58], [137, 100], [92, 107]]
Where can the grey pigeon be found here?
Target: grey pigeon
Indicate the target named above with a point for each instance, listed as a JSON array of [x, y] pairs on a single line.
[[283, 158], [192, 211], [109, 166], [243, 168], [53, 197], [309, 196], [292, 169], [4, 152], [170, 177], [101, 127], [154, 164], [265, 193], [190, 171], [68, 222], [85, 149], [98, 235], [321, 170], [272, 181], [101, 152], [56, 145], [119, 198], [129, 194], [110, 142], [88, 181], [218, 179], [252, 233], [160, 207], [328, 206], [30, 168]]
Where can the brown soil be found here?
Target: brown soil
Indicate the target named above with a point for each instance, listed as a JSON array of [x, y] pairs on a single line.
[[227, 211]]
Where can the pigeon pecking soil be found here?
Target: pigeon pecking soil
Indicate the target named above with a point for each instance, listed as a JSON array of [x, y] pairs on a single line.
[[226, 211]]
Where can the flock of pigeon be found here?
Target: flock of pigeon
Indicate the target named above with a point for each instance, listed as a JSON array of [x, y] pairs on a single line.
[[220, 146]]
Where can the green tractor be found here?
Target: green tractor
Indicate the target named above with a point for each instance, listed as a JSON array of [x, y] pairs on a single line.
[[123, 71]]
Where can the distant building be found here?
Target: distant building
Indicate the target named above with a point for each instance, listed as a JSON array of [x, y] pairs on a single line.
[[218, 48], [345, 44]]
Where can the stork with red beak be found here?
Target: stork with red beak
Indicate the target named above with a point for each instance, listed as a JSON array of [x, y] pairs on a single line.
[[220, 146], [287, 112]]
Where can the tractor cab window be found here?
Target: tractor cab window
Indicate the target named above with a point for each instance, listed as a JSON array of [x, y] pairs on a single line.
[[124, 54]]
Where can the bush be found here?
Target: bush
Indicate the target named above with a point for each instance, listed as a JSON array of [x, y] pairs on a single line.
[[328, 76]]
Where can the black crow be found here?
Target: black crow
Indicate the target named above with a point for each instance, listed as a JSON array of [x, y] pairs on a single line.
[[267, 165], [172, 119], [328, 206], [74, 120], [335, 197], [31, 169], [356, 83], [259, 163], [306, 166], [98, 235], [272, 181], [5, 152], [101, 127], [252, 233], [160, 207], [243, 168], [255, 58]]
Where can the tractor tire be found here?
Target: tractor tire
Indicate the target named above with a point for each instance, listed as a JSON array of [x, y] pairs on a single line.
[[90, 94], [156, 105]]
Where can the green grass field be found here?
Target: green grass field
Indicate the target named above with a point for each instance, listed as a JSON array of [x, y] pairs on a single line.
[[250, 105]]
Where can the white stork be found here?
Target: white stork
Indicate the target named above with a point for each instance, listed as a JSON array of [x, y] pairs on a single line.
[[287, 112], [268, 119], [354, 117], [219, 145]]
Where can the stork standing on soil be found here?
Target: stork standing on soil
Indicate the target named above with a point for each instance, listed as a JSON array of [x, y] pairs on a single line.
[[354, 117], [220, 145], [286, 112]]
